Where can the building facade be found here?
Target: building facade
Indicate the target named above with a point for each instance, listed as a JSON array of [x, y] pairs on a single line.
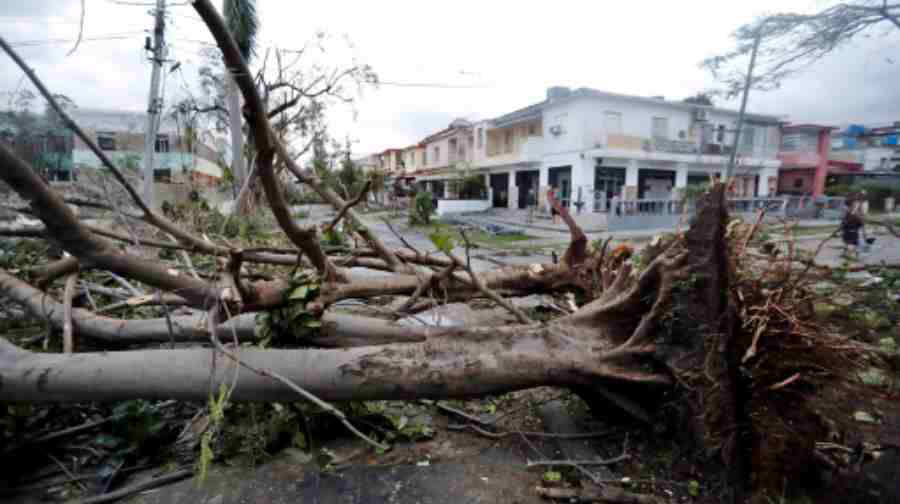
[[593, 146], [804, 155], [120, 134], [873, 148]]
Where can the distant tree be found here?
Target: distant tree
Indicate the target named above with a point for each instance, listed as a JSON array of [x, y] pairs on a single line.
[[790, 42], [701, 98]]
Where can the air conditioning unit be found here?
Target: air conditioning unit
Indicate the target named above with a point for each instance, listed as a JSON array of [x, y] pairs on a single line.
[[556, 130], [700, 115]]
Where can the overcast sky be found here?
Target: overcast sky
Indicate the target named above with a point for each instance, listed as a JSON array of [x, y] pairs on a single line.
[[492, 56]]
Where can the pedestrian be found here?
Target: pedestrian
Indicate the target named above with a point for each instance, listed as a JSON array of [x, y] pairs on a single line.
[[553, 213], [851, 229]]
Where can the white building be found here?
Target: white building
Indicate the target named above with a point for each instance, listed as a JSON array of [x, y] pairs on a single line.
[[120, 134], [594, 145]]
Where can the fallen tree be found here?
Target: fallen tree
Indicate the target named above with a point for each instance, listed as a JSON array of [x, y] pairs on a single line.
[[696, 318]]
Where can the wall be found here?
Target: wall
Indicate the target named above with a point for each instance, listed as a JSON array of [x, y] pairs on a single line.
[[460, 206], [585, 126], [443, 143], [788, 178]]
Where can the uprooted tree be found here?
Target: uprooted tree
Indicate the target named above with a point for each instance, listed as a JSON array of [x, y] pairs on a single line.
[[729, 340]]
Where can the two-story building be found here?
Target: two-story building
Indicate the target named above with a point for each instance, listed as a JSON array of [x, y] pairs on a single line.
[[804, 156], [446, 154], [120, 134], [593, 146], [873, 148]]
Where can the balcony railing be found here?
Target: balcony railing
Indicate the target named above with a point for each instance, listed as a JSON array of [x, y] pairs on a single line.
[[529, 149]]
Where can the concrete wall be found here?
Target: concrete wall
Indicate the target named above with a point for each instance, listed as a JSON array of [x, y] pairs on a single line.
[[443, 144], [461, 206]]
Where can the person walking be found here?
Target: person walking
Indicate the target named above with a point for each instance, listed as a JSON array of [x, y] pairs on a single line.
[[852, 229], [553, 212]]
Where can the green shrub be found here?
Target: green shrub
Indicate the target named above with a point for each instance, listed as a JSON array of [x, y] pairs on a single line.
[[421, 208]]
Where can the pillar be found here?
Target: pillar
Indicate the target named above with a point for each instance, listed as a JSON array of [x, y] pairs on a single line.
[[768, 182], [631, 181], [681, 179], [513, 194], [543, 187]]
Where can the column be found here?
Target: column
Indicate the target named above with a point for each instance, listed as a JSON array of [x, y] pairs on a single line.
[[583, 181], [543, 187], [513, 194], [631, 181], [768, 182], [681, 178]]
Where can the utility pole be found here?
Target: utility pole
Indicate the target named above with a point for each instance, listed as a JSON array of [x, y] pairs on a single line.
[[740, 124], [154, 106]]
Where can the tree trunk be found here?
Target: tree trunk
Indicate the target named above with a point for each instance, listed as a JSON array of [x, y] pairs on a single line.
[[237, 136]]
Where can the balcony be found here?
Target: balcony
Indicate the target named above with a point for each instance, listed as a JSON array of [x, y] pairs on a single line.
[[791, 159], [527, 150]]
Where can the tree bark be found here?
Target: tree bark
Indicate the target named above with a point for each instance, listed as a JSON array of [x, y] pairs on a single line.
[[458, 363]]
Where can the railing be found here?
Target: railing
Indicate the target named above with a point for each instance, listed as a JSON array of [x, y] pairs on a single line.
[[668, 213]]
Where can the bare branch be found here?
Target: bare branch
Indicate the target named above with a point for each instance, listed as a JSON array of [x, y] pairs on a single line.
[[68, 326], [350, 204]]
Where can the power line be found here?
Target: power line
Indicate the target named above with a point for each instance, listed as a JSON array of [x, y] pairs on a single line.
[[430, 85], [34, 43]]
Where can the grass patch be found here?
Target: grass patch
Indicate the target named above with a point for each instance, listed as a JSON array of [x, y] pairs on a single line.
[[476, 237]]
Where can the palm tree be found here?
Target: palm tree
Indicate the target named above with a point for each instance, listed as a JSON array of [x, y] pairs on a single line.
[[240, 16]]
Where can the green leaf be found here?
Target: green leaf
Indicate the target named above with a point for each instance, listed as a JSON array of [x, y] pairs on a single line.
[[694, 488], [299, 293], [552, 476]]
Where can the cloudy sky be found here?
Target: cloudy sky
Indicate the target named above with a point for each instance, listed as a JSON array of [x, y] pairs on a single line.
[[440, 60]]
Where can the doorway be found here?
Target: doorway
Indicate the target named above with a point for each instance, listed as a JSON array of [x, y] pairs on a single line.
[[527, 182], [608, 184], [500, 190], [655, 184], [560, 177]]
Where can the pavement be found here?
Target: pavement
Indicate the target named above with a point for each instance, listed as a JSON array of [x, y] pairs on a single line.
[[547, 236]]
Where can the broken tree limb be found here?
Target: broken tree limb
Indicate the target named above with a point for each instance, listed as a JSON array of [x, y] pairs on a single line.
[[69, 292], [149, 215], [338, 329], [484, 289], [607, 494], [65, 229], [576, 252]]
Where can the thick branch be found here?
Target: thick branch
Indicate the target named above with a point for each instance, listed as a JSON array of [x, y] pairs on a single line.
[[576, 253], [65, 229], [305, 239], [338, 329]]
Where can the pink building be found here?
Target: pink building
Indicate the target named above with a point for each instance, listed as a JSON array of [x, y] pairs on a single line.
[[804, 159]]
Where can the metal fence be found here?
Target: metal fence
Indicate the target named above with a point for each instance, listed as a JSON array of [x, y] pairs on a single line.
[[669, 213]]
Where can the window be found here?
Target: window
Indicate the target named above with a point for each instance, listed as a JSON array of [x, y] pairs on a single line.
[[747, 137], [612, 122], [437, 155], [424, 157], [798, 142], [480, 138], [162, 143], [508, 141], [106, 141], [720, 134], [532, 129], [661, 128], [798, 183]]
